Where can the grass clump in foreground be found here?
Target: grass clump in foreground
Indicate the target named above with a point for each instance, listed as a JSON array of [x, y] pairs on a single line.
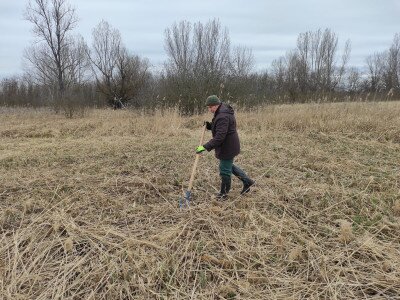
[[89, 207]]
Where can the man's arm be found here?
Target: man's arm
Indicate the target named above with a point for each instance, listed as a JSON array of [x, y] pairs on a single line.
[[221, 129]]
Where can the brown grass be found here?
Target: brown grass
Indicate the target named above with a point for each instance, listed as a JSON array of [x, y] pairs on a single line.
[[89, 207]]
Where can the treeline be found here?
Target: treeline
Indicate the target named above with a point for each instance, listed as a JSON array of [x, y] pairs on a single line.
[[67, 74]]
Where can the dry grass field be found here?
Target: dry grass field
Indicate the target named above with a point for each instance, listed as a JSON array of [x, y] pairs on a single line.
[[89, 206]]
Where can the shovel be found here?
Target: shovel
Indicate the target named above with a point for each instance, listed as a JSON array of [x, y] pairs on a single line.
[[186, 195]]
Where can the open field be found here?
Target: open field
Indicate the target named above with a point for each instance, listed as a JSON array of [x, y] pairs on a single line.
[[89, 207]]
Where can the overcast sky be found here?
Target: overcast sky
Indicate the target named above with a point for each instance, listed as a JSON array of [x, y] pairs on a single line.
[[269, 28]]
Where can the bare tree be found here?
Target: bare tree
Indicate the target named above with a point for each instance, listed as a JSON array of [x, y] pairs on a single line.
[[212, 54], [341, 70], [58, 59], [104, 56], [311, 70], [376, 66], [241, 62], [198, 62], [278, 73], [354, 81], [44, 70], [179, 48], [392, 66], [119, 75], [53, 21], [317, 60], [179, 79], [9, 88], [77, 62], [131, 77], [239, 82], [384, 70]]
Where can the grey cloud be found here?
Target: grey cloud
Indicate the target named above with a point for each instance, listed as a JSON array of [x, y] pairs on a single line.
[[269, 28]]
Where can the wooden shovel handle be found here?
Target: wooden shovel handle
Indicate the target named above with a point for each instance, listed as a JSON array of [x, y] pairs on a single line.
[[196, 160]]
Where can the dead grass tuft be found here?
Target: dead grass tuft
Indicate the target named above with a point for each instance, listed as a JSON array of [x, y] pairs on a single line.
[[68, 245], [396, 207], [346, 232], [295, 254]]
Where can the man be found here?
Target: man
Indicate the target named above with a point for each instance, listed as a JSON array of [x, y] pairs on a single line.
[[225, 142]]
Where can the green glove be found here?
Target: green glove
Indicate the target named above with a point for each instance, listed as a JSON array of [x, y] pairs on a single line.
[[200, 149]]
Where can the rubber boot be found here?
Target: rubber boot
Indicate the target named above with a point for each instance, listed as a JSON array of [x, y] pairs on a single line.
[[246, 186], [225, 187], [247, 182]]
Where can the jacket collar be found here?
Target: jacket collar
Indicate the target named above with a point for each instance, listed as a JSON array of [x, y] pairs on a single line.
[[217, 111]]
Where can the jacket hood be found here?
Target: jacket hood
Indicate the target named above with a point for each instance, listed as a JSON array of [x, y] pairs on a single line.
[[226, 109]]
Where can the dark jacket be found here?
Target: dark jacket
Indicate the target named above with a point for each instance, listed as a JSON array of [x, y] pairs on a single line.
[[225, 139]]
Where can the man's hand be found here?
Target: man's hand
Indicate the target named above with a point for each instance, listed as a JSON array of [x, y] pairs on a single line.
[[208, 125], [200, 149]]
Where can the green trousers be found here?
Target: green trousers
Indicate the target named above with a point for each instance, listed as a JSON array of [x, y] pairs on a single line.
[[227, 168]]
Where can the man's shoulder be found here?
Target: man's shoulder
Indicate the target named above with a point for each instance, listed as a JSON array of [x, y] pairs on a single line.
[[226, 109]]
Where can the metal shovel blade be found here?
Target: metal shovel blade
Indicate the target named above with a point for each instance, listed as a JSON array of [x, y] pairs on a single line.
[[185, 201]]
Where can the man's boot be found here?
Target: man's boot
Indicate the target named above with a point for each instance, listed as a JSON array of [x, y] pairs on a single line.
[[247, 182], [246, 186], [225, 187]]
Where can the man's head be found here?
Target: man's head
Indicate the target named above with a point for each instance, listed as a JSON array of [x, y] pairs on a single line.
[[212, 103]]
